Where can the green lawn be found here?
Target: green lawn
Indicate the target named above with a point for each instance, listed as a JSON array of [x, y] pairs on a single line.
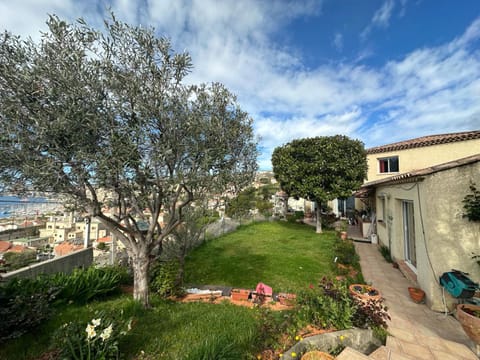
[[283, 255]]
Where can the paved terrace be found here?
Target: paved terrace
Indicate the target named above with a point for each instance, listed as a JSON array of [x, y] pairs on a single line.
[[416, 331]]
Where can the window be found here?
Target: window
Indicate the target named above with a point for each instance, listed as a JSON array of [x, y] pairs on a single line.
[[388, 165]]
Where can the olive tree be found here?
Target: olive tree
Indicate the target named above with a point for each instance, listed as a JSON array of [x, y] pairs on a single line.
[[320, 169], [106, 120]]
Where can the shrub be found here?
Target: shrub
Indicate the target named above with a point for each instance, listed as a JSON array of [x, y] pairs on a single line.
[[82, 285], [102, 246], [164, 278], [19, 260], [326, 306], [330, 306], [345, 253], [297, 215], [24, 304]]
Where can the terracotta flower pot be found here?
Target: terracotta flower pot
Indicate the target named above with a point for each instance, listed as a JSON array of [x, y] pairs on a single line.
[[317, 355], [416, 294], [364, 292], [469, 317], [240, 294]]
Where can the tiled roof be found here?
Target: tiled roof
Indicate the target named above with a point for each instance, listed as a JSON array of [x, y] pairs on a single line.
[[410, 176], [66, 248], [5, 245], [18, 248], [105, 239], [426, 141]]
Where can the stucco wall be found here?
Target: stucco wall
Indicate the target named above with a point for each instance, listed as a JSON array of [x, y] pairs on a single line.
[[451, 238], [445, 240], [422, 157]]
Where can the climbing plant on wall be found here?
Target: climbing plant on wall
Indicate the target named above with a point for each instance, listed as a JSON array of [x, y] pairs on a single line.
[[471, 204]]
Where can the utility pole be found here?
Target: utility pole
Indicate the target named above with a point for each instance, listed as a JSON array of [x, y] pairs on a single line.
[[86, 239]]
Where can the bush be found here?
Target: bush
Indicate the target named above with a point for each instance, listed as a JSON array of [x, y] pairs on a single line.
[[102, 246], [371, 314], [164, 278], [24, 304], [19, 260], [82, 286], [330, 306], [345, 253], [326, 306], [297, 215]]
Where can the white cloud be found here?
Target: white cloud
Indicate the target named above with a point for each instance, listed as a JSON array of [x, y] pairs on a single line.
[[381, 18], [431, 90], [28, 17], [338, 41]]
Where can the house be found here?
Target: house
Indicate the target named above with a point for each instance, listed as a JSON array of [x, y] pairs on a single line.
[[405, 156], [67, 229], [420, 216], [419, 153]]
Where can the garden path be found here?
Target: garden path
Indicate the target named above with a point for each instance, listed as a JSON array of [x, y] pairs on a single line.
[[416, 331]]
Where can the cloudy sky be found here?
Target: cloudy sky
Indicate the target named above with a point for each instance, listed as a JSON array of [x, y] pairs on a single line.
[[377, 70]]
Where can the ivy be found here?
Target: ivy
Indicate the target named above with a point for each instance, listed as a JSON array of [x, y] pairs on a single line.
[[471, 204]]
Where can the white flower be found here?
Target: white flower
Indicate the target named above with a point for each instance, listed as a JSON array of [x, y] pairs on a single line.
[[90, 331], [107, 332], [96, 322]]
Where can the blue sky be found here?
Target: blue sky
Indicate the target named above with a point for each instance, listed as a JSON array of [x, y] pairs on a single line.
[[376, 70]]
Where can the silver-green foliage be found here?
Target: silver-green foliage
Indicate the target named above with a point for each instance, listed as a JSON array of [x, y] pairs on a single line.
[[105, 119]]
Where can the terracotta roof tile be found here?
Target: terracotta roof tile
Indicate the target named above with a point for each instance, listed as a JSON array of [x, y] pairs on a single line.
[[65, 248], [5, 245], [17, 248], [426, 141], [105, 239]]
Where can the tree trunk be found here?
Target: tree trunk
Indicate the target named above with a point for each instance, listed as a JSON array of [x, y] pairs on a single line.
[[141, 264], [318, 210]]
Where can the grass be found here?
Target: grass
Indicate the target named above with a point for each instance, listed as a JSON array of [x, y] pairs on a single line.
[[168, 330], [285, 256]]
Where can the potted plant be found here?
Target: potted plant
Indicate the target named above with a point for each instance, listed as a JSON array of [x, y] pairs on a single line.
[[364, 292], [469, 317], [416, 294]]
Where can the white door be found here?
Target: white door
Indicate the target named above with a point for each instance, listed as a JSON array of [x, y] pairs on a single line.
[[409, 233]]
